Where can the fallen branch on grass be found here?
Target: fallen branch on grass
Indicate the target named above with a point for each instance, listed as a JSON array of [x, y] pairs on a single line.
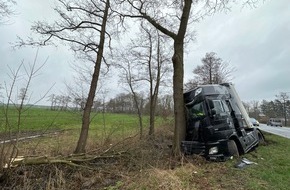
[[72, 160], [88, 158]]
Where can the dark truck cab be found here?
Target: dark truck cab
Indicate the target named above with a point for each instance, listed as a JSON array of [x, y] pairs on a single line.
[[218, 125]]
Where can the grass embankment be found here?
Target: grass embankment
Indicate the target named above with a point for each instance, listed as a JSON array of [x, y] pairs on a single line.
[[141, 164], [273, 169]]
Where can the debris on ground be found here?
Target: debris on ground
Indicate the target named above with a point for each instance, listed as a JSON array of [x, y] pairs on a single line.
[[244, 163]]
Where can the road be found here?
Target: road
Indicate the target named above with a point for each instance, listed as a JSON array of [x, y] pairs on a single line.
[[281, 131]]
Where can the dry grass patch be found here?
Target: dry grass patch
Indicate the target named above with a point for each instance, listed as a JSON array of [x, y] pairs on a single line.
[[105, 166], [171, 179]]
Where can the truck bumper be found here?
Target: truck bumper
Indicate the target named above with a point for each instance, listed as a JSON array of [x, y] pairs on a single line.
[[216, 151]]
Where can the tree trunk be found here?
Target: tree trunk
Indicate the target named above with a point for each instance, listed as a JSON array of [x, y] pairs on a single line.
[[285, 112], [154, 92], [179, 114], [153, 101], [139, 112], [178, 74], [81, 145]]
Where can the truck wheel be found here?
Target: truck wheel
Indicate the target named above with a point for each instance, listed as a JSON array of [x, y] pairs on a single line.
[[233, 149], [261, 138]]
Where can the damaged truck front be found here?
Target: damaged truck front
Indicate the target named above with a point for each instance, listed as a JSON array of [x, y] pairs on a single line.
[[218, 125]]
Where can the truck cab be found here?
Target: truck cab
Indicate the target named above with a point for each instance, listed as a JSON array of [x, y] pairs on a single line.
[[217, 124]]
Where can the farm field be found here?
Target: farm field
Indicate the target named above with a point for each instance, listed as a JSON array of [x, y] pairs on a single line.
[[41, 119]]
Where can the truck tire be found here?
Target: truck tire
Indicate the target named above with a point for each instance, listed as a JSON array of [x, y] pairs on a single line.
[[233, 149], [261, 138]]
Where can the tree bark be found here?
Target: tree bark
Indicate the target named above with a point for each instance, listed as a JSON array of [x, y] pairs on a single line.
[[178, 75], [154, 92], [179, 115], [81, 145]]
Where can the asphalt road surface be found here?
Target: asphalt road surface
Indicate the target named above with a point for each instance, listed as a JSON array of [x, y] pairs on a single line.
[[281, 131]]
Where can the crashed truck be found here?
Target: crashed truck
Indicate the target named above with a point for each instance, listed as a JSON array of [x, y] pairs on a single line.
[[217, 124]]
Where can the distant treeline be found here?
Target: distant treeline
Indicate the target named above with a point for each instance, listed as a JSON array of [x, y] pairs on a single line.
[[121, 103]]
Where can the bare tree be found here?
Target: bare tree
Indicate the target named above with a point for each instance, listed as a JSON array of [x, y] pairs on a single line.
[[255, 108], [86, 116], [213, 70], [192, 83], [146, 60], [82, 26], [247, 106], [283, 97], [129, 75], [150, 55], [6, 9], [9, 151], [59, 102], [52, 99]]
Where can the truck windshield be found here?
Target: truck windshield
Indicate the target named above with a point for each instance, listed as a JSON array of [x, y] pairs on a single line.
[[219, 106], [196, 110]]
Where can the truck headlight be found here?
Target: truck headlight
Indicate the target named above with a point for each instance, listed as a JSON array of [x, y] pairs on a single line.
[[213, 150]]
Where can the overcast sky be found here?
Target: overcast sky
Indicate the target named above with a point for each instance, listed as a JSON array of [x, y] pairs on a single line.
[[255, 41]]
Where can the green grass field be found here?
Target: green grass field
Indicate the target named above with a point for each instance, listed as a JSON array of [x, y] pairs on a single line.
[[273, 169], [38, 119]]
